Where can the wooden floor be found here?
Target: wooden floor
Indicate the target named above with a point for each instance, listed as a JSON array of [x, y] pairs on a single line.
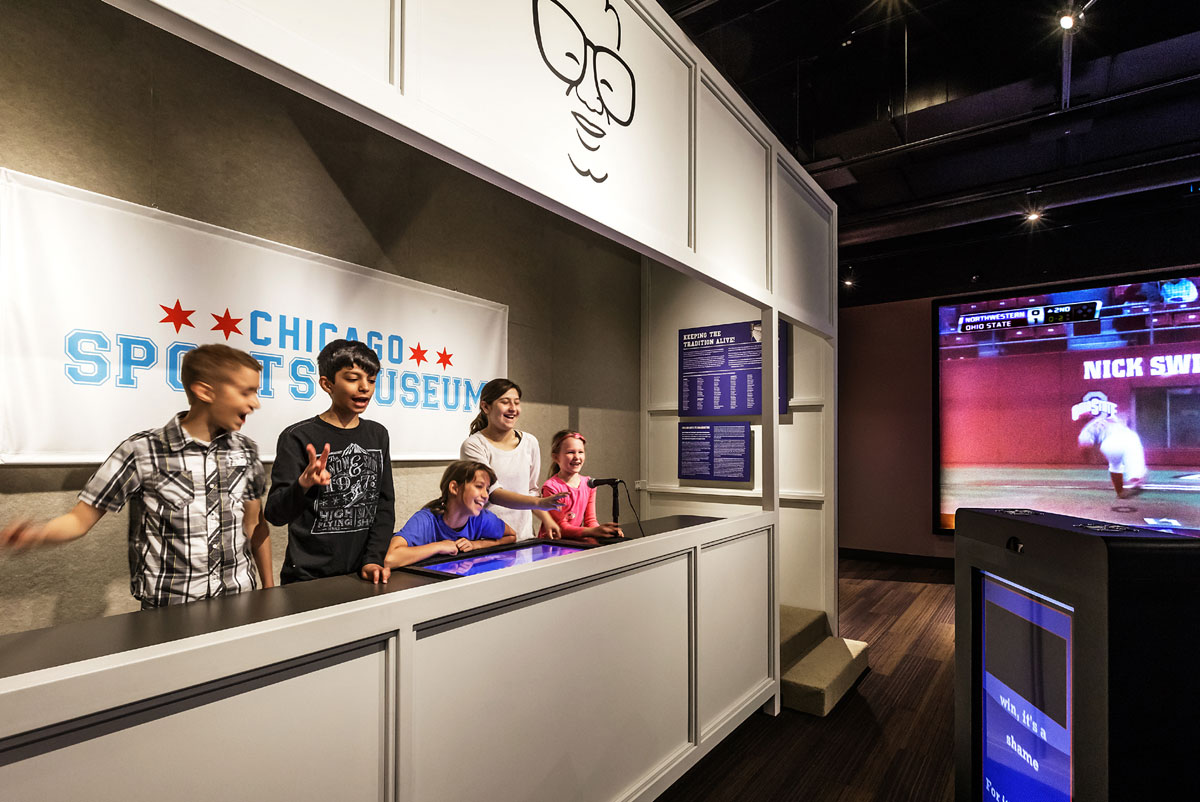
[[890, 738]]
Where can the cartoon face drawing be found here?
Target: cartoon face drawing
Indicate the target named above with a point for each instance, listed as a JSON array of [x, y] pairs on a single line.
[[599, 84]]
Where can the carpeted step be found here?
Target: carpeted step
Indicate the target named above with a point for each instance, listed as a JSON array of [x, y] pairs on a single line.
[[800, 631], [816, 683]]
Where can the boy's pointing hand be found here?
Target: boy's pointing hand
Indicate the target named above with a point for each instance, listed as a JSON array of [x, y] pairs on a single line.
[[21, 535], [315, 472]]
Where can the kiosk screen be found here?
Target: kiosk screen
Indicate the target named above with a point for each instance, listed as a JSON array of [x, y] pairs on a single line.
[[494, 561], [1026, 696]]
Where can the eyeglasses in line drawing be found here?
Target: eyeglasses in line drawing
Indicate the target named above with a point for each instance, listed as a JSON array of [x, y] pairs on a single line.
[[564, 47]]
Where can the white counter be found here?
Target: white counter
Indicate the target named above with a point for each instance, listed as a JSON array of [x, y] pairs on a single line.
[[602, 675]]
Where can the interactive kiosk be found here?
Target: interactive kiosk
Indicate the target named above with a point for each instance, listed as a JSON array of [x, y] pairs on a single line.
[[1076, 643]]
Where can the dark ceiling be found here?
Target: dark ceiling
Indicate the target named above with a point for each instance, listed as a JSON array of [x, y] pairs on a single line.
[[935, 124]]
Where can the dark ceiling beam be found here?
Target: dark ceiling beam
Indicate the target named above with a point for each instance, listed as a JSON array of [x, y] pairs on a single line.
[[729, 17], [999, 126], [688, 9], [1167, 171]]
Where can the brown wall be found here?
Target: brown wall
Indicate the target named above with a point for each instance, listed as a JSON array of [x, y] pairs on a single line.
[[97, 99], [885, 430]]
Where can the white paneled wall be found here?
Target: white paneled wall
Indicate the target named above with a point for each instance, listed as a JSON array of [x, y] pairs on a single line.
[[804, 237], [649, 144], [807, 558], [807, 527], [732, 192], [735, 587], [358, 33]]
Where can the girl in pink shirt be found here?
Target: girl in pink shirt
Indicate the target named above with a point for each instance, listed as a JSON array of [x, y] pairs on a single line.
[[577, 516]]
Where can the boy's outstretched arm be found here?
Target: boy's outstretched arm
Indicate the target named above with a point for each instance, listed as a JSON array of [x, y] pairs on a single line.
[[256, 528], [25, 534]]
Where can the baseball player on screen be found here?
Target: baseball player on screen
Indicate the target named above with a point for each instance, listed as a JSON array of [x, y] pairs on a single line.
[[1119, 444]]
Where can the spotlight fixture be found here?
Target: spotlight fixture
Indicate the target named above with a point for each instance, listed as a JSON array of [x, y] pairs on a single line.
[[1066, 22], [849, 282], [1033, 216]]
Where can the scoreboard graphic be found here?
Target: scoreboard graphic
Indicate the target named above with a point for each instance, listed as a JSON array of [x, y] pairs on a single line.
[[1030, 316]]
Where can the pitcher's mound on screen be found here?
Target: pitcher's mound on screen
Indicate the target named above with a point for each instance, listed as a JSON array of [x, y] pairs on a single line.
[[1164, 495]]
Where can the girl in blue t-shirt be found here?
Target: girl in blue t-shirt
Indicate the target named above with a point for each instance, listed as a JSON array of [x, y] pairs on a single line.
[[455, 522]]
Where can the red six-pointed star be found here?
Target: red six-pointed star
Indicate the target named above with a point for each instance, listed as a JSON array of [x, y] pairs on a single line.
[[418, 354], [444, 358], [177, 316], [226, 324]]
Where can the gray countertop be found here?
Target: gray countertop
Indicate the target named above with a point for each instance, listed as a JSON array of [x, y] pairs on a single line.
[[37, 649]]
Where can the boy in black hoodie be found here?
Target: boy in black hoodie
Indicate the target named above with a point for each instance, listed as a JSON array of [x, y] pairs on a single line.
[[332, 478]]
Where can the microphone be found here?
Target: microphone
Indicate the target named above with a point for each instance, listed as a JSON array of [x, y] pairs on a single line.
[[616, 516]]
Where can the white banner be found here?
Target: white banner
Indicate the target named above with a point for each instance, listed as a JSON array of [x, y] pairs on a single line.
[[100, 299]]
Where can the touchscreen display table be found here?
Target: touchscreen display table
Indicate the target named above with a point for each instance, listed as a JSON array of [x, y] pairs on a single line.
[[496, 560]]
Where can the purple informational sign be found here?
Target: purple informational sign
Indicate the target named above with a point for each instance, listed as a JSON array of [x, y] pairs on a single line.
[[1027, 695], [719, 451], [720, 369]]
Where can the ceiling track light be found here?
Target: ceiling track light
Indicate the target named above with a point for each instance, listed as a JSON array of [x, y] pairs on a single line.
[[1032, 206], [1070, 19]]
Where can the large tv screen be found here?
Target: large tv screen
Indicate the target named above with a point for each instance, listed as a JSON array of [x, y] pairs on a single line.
[[1081, 400]]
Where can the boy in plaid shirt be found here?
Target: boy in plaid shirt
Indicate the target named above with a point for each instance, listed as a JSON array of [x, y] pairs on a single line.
[[195, 487]]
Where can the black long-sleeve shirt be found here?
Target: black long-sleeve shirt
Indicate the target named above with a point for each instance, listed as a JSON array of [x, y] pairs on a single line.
[[337, 529]]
